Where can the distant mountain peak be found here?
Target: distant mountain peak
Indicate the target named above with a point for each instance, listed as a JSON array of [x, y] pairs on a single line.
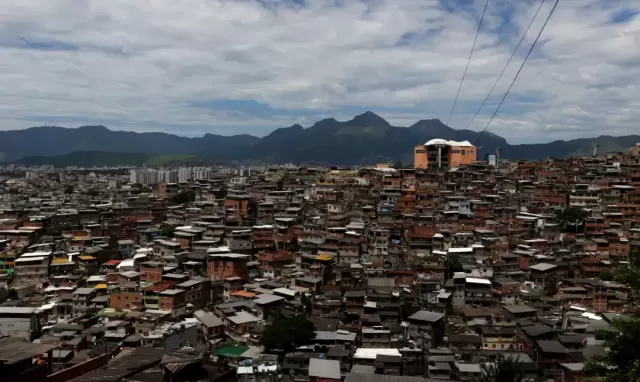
[[369, 118], [364, 140], [285, 132], [327, 122], [434, 122], [95, 127]]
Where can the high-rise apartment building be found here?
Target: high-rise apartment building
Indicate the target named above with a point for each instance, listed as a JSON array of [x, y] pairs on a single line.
[[168, 176], [190, 173], [144, 176], [184, 174], [201, 172]]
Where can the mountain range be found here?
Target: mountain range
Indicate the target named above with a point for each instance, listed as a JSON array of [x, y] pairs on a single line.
[[365, 139]]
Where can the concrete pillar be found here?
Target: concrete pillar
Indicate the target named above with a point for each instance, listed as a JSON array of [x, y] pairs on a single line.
[[50, 362], [439, 156]]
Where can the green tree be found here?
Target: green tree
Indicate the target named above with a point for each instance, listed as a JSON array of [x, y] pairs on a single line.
[[572, 218], [629, 276], [307, 303], [453, 265], [183, 197], [634, 373], [622, 361], [93, 192], [287, 334], [512, 242], [607, 275], [505, 369], [167, 230]]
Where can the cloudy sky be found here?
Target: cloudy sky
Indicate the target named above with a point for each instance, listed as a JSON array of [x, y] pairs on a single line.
[[239, 66]]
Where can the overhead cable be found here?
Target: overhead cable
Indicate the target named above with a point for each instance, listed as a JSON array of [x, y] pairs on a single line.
[[506, 65], [518, 73], [464, 74]]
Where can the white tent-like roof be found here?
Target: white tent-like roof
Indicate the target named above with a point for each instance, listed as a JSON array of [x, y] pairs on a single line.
[[438, 141]]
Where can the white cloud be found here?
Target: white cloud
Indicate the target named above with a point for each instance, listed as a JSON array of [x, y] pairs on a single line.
[[141, 65]]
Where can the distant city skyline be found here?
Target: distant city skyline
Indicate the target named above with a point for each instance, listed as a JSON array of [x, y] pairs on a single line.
[[248, 67]]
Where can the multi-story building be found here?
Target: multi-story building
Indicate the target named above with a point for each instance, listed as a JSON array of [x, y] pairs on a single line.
[[151, 271], [184, 174], [168, 176], [144, 176], [32, 269], [441, 153], [226, 265], [20, 322], [173, 300]]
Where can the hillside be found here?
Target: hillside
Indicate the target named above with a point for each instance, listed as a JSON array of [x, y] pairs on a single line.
[[171, 160], [53, 141], [563, 149], [113, 159], [365, 139], [87, 159]]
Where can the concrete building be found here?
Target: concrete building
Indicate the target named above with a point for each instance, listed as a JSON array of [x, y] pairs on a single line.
[[441, 153], [168, 176], [32, 269], [144, 176], [200, 172], [19, 322], [184, 174]]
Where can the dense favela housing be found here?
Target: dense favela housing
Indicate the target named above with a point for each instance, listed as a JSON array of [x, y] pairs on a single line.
[[387, 273]]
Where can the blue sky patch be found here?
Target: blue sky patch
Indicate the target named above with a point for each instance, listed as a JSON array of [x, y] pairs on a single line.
[[624, 16], [47, 45]]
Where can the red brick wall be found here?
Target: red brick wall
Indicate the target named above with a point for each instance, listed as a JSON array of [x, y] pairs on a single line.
[[241, 206], [221, 269], [600, 303], [166, 303], [510, 288], [316, 379], [125, 300], [112, 277], [150, 274], [184, 243]]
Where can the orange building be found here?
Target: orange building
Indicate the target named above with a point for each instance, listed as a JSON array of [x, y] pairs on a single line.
[[440, 153]]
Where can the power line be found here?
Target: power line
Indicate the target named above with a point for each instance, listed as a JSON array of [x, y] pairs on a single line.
[[507, 64], [518, 73], [455, 101]]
